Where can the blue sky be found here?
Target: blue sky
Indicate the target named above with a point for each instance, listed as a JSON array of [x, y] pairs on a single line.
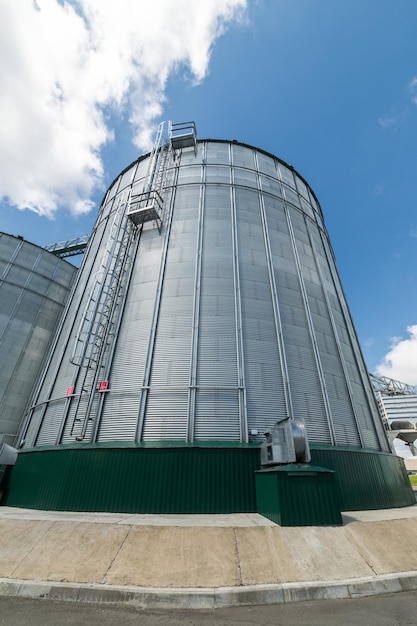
[[330, 87]]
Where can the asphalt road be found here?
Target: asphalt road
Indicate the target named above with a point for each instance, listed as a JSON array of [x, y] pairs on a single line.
[[387, 610]]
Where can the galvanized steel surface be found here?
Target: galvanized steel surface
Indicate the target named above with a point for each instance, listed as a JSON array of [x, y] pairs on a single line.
[[229, 317], [34, 285]]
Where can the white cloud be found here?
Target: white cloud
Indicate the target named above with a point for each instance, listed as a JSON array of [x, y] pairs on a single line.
[[388, 122], [400, 363], [65, 64], [412, 86]]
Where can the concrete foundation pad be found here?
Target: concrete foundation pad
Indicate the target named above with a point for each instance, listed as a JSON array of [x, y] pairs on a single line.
[[72, 552], [272, 555], [167, 556], [388, 546], [218, 561]]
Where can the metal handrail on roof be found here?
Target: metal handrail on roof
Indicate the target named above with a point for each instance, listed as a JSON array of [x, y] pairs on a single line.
[[183, 135], [390, 387]]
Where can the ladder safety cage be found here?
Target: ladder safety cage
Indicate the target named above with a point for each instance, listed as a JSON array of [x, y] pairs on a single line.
[[132, 210], [148, 205], [97, 312]]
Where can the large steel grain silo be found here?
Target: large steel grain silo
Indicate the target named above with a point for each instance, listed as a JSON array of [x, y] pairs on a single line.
[[208, 309], [34, 285]]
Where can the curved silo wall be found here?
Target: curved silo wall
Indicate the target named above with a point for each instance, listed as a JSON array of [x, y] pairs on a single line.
[[181, 344], [231, 317], [34, 285]]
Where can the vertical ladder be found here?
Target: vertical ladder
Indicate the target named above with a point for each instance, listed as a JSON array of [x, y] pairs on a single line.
[[96, 315], [148, 205], [139, 208]]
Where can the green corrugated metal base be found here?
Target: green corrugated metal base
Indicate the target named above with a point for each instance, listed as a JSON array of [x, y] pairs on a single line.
[[366, 479], [210, 477], [142, 479]]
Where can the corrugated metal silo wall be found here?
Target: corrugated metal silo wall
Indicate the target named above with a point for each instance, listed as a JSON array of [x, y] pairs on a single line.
[[231, 317], [34, 285]]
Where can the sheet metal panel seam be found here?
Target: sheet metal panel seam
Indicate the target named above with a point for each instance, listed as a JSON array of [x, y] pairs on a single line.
[[309, 323], [191, 409], [275, 302], [335, 334], [243, 414], [356, 349], [157, 305]]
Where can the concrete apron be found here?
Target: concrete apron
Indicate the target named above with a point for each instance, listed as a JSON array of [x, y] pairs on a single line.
[[203, 561]]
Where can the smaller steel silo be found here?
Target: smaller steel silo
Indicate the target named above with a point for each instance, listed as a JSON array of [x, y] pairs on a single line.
[[34, 285]]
